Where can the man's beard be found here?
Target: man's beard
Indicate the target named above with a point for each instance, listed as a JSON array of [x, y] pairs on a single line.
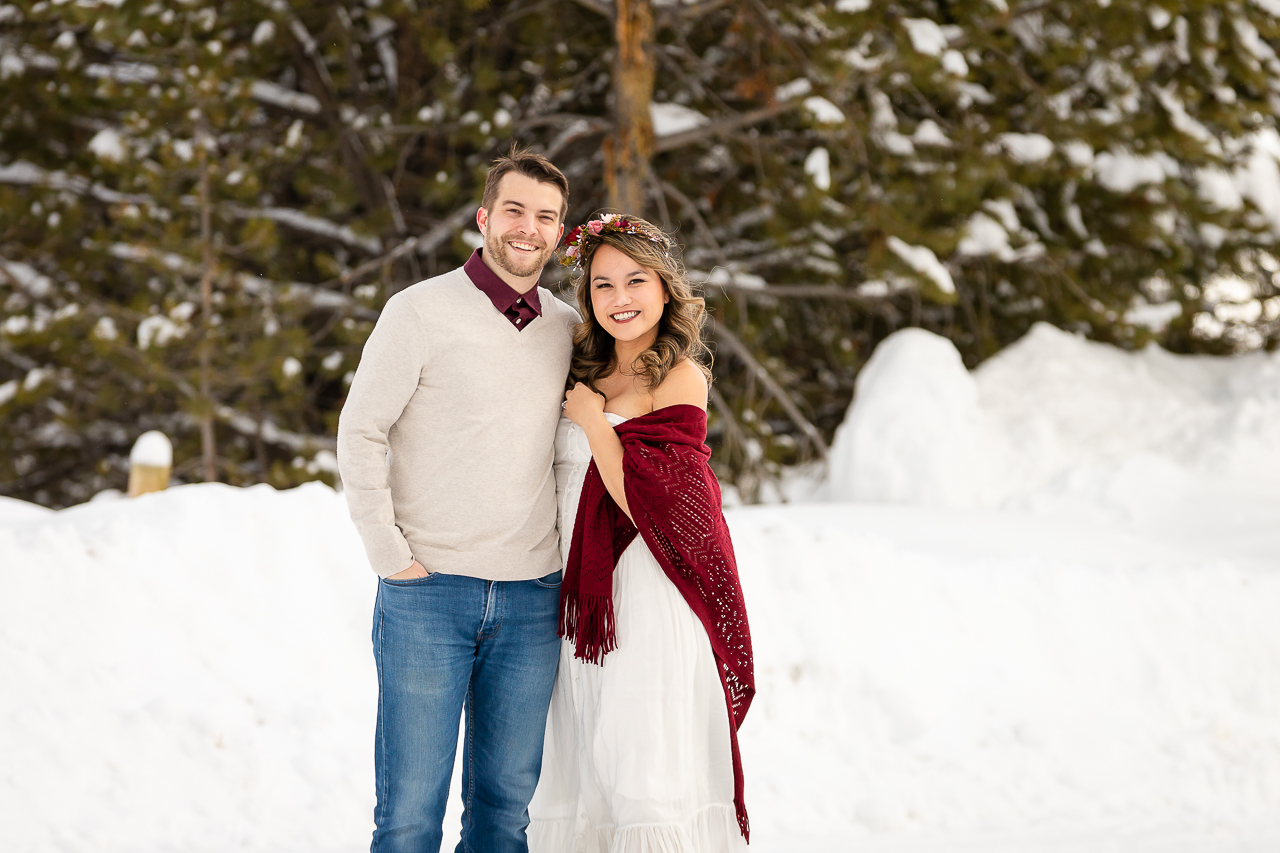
[[517, 265]]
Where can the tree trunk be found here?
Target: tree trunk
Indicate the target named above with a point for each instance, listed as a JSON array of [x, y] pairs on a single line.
[[208, 443], [628, 150]]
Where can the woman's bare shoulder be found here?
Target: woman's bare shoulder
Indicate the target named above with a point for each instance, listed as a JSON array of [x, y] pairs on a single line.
[[684, 384]]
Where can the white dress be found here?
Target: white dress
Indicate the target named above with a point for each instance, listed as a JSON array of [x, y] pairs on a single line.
[[637, 756]]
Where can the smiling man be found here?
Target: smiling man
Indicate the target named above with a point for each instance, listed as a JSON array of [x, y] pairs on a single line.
[[445, 449]]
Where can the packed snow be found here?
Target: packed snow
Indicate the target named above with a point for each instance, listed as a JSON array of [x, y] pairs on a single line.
[[1029, 608]]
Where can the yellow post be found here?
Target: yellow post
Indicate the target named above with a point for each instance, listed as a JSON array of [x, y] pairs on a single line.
[[150, 463]]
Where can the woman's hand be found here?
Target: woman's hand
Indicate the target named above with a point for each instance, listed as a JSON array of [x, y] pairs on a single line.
[[582, 405]]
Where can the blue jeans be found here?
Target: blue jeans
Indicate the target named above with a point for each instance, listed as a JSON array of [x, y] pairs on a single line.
[[441, 643]]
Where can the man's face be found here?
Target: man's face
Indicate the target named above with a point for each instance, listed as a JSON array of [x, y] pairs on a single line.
[[523, 228]]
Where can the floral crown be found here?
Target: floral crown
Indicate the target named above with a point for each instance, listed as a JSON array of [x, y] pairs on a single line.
[[578, 240]]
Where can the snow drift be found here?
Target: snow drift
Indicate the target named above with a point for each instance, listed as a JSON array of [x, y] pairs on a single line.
[[1046, 621]]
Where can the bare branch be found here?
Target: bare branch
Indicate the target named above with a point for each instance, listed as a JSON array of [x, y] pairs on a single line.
[[800, 291], [602, 7], [669, 16], [733, 343], [422, 244]]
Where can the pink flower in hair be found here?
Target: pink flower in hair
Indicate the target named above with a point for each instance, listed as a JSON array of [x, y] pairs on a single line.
[[595, 226]]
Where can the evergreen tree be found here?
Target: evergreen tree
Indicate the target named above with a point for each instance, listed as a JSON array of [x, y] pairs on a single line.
[[204, 205]]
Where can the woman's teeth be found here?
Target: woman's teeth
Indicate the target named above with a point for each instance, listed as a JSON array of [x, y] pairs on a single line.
[[624, 316]]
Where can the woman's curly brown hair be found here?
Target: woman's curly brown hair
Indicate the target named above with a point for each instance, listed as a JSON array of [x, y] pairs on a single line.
[[679, 329]]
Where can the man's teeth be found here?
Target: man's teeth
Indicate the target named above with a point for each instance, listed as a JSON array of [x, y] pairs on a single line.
[[524, 247], [624, 316]]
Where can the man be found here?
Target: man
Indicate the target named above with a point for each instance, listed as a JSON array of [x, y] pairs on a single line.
[[445, 449]]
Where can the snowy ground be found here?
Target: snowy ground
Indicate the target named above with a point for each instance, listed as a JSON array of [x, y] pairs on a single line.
[[1033, 609]]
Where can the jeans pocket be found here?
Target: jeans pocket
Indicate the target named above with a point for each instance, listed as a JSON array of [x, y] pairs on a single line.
[[551, 581], [411, 581]]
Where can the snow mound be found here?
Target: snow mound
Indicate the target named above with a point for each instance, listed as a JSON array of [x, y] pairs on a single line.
[[915, 433], [1053, 420]]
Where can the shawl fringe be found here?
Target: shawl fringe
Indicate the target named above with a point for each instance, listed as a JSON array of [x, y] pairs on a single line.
[[587, 621]]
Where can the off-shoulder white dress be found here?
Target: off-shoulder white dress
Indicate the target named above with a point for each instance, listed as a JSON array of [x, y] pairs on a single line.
[[637, 756]]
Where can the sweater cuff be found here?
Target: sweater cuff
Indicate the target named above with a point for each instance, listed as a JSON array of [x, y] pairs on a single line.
[[391, 556]]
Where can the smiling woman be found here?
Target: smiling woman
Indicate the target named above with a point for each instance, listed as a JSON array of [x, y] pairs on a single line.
[[642, 754], [623, 262]]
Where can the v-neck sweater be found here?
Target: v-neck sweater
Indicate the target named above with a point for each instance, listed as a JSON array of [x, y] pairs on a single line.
[[446, 439]]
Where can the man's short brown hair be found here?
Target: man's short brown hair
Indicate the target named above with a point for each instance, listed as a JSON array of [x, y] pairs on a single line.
[[530, 164]]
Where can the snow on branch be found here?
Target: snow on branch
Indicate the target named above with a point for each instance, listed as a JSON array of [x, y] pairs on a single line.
[[246, 424], [319, 297], [924, 261], [123, 72], [723, 126], [309, 224], [26, 277], [22, 173], [278, 96]]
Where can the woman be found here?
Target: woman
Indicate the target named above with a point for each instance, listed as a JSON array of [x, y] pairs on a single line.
[[655, 675]]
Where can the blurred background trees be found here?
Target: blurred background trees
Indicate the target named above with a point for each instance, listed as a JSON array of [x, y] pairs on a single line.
[[204, 205]]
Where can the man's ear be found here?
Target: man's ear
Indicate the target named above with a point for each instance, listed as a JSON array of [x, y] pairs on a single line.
[[482, 220]]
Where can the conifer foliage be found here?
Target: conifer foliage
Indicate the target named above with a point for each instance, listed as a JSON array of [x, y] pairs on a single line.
[[204, 205]]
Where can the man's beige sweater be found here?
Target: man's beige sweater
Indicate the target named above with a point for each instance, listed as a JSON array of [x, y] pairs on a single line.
[[445, 442]]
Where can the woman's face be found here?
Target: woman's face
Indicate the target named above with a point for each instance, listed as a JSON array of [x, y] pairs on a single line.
[[627, 298]]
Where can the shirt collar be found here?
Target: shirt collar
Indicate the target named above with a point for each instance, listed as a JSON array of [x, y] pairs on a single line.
[[499, 292]]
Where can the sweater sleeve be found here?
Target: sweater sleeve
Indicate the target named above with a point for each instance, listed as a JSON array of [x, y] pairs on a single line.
[[387, 377]]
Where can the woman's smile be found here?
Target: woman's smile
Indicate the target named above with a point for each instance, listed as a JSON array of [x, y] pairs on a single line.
[[628, 298]]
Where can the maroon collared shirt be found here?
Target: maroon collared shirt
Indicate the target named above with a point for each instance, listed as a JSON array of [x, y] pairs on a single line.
[[519, 308]]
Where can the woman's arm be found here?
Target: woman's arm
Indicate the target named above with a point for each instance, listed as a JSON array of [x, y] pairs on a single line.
[[586, 409]]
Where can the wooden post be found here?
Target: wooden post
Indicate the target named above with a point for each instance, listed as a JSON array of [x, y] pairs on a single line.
[[150, 463]]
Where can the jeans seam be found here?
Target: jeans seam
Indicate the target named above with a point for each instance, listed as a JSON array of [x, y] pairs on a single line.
[[469, 806], [382, 729]]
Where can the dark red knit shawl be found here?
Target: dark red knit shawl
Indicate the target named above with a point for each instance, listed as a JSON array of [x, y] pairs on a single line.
[[674, 499]]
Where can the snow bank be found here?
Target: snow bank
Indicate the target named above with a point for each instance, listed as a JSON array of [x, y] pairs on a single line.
[[188, 670], [1074, 649], [1055, 417]]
